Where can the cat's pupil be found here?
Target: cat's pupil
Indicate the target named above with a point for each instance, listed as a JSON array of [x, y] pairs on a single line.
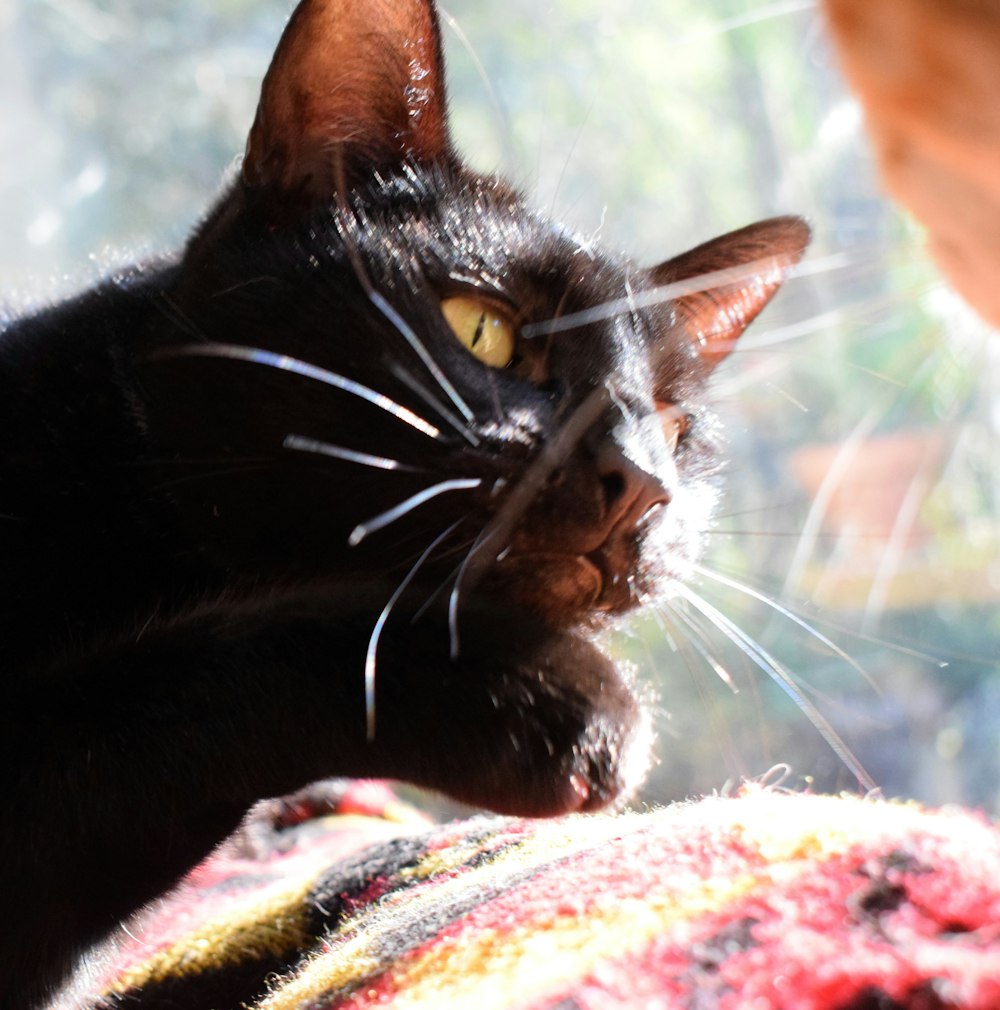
[[478, 335]]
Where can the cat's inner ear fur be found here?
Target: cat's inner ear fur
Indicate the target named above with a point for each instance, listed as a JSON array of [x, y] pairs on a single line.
[[353, 87], [731, 279]]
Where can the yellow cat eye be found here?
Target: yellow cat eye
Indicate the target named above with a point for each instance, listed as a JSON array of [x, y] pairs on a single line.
[[482, 328], [675, 423]]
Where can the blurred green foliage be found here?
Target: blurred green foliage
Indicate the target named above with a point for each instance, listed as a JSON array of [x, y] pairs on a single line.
[[658, 125]]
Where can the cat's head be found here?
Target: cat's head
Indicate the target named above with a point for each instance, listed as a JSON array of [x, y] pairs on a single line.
[[429, 392]]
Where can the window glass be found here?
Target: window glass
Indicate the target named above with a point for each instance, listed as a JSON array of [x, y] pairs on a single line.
[[851, 587]]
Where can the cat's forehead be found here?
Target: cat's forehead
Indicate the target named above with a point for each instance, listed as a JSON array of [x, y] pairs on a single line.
[[471, 231], [460, 229], [485, 220]]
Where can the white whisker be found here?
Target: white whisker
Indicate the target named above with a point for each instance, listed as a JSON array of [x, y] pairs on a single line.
[[434, 403], [492, 540], [626, 410], [782, 677], [429, 602], [453, 640], [884, 643], [173, 312], [841, 464], [406, 331], [785, 395], [895, 545], [499, 112], [742, 587], [655, 296], [768, 338], [767, 266], [271, 359], [848, 315], [838, 468], [662, 620], [382, 520], [372, 651], [905, 650], [696, 639], [774, 10], [781, 8], [302, 444], [347, 216]]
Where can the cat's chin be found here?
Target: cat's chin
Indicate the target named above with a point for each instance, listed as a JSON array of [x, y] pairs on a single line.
[[562, 588], [566, 590]]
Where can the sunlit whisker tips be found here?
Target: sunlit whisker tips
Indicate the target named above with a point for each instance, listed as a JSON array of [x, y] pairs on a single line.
[[789, 615], [781, 676]]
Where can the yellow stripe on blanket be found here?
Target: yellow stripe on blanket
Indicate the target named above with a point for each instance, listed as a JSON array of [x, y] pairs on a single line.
[[271, 924], [267, 921]]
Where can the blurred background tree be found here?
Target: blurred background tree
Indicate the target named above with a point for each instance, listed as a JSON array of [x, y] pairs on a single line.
[[862, 410]]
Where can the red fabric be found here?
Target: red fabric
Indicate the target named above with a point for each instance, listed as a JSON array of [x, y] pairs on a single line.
[[345, 899]]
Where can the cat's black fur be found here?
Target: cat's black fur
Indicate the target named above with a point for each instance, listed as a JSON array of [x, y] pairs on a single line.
[[185, 622]]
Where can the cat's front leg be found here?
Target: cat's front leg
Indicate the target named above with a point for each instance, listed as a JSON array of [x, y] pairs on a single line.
[[125, 771], [525, 721], [509, 714]]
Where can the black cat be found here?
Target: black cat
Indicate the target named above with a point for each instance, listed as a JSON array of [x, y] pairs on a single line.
[[346, 487]]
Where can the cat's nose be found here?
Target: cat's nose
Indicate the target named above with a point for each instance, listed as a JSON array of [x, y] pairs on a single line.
[[629, 492]]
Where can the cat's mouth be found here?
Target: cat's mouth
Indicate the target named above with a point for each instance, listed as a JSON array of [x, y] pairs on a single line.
[[568, 588]]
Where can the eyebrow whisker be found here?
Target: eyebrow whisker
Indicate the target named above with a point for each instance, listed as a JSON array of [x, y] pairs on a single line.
[[678, 289]]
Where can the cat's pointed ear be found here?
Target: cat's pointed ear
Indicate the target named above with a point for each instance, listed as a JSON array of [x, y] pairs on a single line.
[[354, 86], [730, 279]]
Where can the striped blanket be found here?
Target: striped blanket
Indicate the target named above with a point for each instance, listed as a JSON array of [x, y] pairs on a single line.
[[343, 897]]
